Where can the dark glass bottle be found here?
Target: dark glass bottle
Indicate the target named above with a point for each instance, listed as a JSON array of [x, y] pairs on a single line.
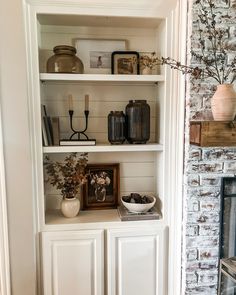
[[64, 60], [116, 127], [138, 121]]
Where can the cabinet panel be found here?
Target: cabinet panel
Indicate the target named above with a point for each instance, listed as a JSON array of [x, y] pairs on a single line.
[[73, 263], [135, 262]]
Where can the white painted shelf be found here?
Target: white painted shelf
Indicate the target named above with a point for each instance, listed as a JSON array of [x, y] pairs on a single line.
[[101, 78], [149, 147], [87, 219]]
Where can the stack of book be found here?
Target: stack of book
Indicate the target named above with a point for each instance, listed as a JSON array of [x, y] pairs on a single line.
[[126, 215], [50, 128]]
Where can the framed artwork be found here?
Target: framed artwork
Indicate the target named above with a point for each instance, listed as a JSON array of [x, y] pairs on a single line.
[[101, 190], [95, 54], [125, 62]]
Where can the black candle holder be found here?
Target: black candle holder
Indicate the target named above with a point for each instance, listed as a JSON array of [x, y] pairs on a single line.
[[77, 132]]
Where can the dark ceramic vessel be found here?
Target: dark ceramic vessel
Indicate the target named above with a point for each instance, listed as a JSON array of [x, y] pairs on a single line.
[[116, 127], [138, 121]]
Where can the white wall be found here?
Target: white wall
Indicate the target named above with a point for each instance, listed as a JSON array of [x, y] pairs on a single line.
[[17, 148]]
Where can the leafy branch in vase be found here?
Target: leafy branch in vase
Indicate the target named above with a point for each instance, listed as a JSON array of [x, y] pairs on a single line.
[[213, 48]]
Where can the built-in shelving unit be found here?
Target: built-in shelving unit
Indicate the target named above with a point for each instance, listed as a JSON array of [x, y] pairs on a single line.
[[142, 166], [145, 26]]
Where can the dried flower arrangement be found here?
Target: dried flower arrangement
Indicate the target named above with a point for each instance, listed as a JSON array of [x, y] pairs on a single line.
[[149, 61], [69, 175], [213, 46]]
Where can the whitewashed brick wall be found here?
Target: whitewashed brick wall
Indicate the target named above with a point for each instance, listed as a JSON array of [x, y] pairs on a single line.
[[204, 168]]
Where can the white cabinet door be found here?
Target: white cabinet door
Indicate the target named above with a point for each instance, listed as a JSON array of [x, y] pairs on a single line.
[[135, 259], [73, 263]]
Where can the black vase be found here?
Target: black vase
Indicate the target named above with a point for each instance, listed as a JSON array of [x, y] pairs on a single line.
[[116, 127], [138, 121]]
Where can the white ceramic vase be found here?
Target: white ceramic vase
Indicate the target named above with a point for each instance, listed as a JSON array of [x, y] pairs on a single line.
[[146, 71], [223, 103], [70, 207]]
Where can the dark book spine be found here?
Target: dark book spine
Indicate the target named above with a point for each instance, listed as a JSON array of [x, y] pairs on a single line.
[[49, 138]]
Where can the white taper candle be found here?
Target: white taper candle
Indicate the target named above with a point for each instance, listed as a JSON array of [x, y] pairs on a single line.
[[86, 102]]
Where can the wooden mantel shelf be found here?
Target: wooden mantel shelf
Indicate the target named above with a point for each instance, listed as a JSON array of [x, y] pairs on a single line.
[[213, 133]]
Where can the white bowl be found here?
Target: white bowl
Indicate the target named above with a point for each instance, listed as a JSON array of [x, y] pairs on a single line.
[[139, 208]]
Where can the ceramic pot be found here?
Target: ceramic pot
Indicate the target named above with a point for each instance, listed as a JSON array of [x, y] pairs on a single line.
[[70, 207], [223, 103], [146, 71]]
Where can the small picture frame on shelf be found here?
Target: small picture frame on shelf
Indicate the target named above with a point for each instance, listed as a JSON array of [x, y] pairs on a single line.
[[101, 190], [125, 62], [95, 54]]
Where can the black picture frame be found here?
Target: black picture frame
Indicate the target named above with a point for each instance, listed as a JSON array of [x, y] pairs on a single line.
[[101, 189], [125, 63]]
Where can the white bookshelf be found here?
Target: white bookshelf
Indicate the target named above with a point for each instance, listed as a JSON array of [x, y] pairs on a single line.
[[146, 168]]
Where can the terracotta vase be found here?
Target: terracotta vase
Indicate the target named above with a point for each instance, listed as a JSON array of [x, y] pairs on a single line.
[[70, 207], [223, 103]]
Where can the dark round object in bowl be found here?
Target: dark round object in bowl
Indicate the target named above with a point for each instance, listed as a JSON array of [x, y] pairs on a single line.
[[137, 199]]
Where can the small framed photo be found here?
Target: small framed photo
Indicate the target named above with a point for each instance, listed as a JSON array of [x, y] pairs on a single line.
[[95, 54], [125, 62], [101, 190]]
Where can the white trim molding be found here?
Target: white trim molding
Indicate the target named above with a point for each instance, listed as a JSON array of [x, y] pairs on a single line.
[[4, 243]]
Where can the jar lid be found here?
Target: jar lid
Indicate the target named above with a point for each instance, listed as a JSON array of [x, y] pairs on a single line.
[[137, 101], [64, 48], [116, 112]]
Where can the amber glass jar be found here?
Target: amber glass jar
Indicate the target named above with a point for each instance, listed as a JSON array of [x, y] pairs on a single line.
[[138, 121], [64, 60]]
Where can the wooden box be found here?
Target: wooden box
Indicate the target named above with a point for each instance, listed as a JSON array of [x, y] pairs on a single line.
[[213, 133]]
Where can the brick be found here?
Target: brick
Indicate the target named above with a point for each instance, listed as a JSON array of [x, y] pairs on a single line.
[[207, 278], [202, 290], [195, 103], [193, 180], [202, 242], [232, 15], [206, 168], [203, 217], [191, 278], [219, 154], [192, 230], [208, 253], [193, 205], [202, 88], [202, 115], [211, 204], [195, 154], [212, 192], [206, 102], [209, 265], [191, 254], [233, 3], [230, 167], [209, 230], [208, 180], [192, 266]]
